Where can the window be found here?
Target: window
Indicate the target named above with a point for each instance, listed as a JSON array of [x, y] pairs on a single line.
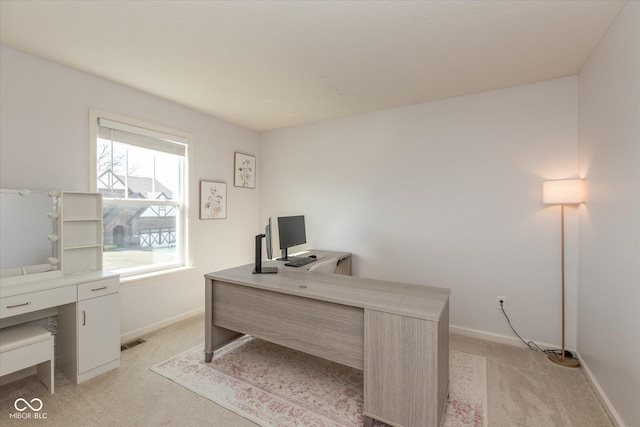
[[141, 171]]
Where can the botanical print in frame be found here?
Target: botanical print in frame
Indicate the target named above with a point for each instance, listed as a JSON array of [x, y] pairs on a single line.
[[245, 170], [213, 200]]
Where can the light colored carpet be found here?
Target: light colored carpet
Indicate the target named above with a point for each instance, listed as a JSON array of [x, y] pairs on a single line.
[[524, 389], [275, 386]]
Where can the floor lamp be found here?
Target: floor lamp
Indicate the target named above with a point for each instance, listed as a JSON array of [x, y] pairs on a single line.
[[563, 192]]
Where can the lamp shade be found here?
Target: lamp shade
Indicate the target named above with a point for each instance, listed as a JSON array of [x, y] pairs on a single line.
[[563, 192]]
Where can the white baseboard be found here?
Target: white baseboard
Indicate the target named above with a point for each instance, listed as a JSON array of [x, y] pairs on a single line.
[[608, 407], [137, 333], [503, 339]]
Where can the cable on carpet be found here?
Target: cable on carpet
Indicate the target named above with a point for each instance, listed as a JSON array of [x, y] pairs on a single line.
[[532, 345]]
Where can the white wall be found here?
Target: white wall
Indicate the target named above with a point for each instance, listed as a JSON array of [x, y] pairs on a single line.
[[609, 298], [44, 143], [447, 193]]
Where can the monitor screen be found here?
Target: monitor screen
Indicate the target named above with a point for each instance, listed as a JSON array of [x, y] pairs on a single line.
[[291, 231], [267, 233]]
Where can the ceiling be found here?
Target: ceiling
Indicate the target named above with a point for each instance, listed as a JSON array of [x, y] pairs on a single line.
[[272, 64]]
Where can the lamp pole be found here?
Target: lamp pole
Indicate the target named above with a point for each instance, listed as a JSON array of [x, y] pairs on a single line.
[[562, 192], [562, 360]]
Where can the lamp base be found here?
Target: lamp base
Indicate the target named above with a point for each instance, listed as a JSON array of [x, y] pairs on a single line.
[[567, 360]]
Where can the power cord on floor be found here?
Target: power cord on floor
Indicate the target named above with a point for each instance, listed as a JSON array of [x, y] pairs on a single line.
[[532, 345]]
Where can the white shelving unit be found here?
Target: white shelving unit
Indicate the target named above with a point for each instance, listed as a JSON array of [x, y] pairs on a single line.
[[81, 232], [91, 327]]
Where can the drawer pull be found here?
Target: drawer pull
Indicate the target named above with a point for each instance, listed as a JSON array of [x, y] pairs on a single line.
[[99, 289], [84, 318], [19, 305]]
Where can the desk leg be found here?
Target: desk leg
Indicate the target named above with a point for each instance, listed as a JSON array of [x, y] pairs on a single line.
[[395, 389], [208, 320], [215, 337]]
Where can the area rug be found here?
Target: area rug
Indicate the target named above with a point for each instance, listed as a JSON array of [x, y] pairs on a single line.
[[274, 386]]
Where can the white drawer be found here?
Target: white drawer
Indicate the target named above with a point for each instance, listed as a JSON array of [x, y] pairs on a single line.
[[26, 303], [98, 288]]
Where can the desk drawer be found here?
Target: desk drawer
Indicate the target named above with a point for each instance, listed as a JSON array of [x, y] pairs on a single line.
[[98, 288], [26, 303]]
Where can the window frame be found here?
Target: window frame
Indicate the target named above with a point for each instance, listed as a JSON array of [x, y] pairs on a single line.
[[182, 228]]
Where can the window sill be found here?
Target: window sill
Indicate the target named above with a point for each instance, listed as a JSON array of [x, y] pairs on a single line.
[[130, 280]]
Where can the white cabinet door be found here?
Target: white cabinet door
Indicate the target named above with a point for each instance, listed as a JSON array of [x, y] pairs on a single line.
[[99, 331]]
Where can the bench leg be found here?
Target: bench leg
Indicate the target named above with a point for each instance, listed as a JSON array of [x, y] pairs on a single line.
[[46, 371]]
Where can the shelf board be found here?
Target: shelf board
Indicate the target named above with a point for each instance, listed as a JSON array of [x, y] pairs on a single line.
[[95, 245]]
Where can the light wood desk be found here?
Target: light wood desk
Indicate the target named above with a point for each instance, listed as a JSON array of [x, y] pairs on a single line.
[[397, 333]]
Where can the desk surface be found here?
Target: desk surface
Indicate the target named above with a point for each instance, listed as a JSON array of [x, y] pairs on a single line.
[[320, 254], [419, 301]]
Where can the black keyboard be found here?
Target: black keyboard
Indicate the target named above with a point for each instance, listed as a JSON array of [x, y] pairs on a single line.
[[298, 261]]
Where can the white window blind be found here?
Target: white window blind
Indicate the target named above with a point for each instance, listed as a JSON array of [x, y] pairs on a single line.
[[140, 137]]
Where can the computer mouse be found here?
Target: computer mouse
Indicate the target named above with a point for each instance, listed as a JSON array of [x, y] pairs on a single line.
[[313, 256]]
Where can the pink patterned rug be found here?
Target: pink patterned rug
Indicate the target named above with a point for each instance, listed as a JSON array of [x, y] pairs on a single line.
[[274, 386]]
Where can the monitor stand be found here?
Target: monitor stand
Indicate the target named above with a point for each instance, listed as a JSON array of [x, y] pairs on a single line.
[[258, 268], [284, 256]]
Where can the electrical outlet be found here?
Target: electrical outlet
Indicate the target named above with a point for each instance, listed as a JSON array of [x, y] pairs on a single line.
[[504, 302]]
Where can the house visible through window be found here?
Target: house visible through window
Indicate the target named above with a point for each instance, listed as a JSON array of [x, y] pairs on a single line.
[[141, 174]]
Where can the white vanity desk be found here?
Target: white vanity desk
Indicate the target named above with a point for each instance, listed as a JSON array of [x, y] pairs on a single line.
[[71, 288], [87, 306]]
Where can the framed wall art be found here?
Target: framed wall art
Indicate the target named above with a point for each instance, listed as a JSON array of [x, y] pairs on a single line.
[[244, 170], [213, 200]]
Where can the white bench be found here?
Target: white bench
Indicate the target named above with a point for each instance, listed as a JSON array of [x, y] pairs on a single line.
[[27, 345]]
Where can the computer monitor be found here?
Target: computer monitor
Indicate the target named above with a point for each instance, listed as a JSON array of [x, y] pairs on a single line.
[[291, 232], [259, 269], [268, 241]]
